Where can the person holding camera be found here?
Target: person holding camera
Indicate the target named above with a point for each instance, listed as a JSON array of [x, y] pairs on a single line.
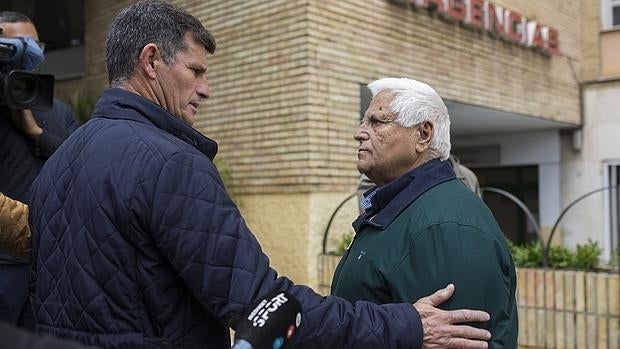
[[27, 138]]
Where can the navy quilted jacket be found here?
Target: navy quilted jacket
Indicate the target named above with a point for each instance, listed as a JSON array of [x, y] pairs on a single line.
[[137, 245]]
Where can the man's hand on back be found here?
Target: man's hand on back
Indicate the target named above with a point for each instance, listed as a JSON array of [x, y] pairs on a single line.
[[441, 329]]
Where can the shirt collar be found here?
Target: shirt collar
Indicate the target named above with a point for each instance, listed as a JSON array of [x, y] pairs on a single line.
[[388, 201], [116, 103]]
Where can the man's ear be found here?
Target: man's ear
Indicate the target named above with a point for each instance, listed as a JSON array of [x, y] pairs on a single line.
[[426, 132], [149, 59]]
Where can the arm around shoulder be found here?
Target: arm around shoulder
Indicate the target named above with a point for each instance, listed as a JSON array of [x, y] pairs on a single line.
[[201, 232]]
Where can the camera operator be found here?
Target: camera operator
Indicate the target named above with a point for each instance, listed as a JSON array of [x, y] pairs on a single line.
[[27, 138]]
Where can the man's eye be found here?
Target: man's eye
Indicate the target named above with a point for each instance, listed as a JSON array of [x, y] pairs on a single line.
[[197, 71], [375, 121]]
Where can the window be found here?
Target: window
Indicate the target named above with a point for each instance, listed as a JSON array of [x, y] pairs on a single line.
[[610, 13], [60, 24], [612, 203]]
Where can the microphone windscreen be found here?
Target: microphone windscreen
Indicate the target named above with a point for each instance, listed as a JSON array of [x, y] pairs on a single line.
[[272, 322]]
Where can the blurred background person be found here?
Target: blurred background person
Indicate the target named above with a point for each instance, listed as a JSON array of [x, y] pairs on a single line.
[[27, 138]]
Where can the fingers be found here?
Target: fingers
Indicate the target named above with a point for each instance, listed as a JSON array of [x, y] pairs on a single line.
[[462, 343], [464, 315], [439, 326], [469, 332], [461, 337], [439, 296]]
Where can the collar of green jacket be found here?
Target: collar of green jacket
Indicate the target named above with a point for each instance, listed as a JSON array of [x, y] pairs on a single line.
[[391, 199]]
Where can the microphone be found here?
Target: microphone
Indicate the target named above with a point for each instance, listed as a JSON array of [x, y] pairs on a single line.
[[271, 324]]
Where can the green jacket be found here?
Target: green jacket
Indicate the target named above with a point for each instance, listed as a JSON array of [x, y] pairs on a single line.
[[445, 235]]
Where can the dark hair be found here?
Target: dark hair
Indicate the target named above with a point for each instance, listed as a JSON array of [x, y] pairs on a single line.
[[147, 22], [13, 17]]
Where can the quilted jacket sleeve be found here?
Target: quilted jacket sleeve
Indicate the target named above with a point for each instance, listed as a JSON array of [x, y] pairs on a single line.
[[200, 231]]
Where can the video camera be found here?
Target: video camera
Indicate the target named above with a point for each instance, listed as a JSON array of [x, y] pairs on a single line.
[[20, 88]]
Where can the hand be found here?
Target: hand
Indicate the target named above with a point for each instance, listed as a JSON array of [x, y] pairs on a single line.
[[24, 120], [439, 326]]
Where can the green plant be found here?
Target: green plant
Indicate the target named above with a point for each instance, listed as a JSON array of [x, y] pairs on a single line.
[[587, 256], [82, 105], [614, 261], [528, 256], [560, 257], [225, 173], [346, 240], [224, 169]]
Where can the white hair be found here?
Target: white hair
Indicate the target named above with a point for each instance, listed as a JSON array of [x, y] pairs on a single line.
[[415, 102]]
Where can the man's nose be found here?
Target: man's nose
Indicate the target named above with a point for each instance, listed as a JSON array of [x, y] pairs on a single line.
[[203, 90], [361, 134]]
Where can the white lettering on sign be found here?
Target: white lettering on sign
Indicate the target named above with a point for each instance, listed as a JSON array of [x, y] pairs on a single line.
[[499, 22]]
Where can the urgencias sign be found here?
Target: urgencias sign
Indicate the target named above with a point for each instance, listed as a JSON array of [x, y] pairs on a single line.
[[497, 21]]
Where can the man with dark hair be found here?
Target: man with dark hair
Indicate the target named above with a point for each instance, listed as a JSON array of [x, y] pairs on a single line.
[[136, 243], [27, 139]]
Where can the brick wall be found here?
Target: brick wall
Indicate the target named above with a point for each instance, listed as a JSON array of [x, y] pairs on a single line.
[[98, 15], [286, 74], [259, 108], [591, 51], [354, 42]]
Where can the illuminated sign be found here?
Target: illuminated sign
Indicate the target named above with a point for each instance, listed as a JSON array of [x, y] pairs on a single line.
[[496, 20]]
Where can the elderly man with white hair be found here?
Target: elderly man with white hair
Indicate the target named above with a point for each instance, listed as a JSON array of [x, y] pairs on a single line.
[[421, 227]]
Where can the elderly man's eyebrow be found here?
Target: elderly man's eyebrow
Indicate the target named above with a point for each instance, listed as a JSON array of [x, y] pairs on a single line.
[[385, 115]]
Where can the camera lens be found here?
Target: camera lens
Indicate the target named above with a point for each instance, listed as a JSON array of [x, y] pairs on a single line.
[[25, 90]]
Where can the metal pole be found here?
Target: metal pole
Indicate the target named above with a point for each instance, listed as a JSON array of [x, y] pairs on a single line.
[[528, 213], [331, 219]]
